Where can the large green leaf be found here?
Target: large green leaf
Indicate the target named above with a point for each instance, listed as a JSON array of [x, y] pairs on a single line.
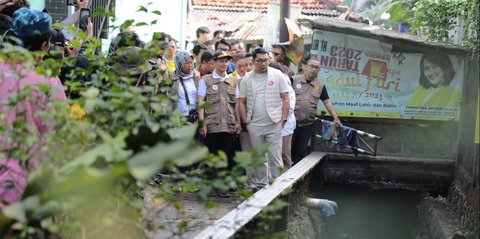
[[142, 9], [18, 211], [401, 11], [145, 137], [185, 132], [109, 150], [146, 164], [46, 210], [86, 182], [84, 186], [39, 180]]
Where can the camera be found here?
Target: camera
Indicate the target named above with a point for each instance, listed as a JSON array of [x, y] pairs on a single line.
[[55, 52]]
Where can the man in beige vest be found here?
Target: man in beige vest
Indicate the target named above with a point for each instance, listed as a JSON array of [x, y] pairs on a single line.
[[218, 123], [263, 106], [308, 90]]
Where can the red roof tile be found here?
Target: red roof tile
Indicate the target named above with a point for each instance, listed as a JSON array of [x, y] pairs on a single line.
[[247, 19], [244, 24], [262, 4]]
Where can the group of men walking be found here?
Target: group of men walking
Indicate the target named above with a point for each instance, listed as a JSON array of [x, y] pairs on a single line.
[[259, 105], [251, 97]]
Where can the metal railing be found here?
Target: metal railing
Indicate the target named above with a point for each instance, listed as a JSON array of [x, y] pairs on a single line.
[[371, 146]]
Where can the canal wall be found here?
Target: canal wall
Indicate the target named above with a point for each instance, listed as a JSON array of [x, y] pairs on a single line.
[[302, 222], [412, 154], [386, 172], [464, 193]]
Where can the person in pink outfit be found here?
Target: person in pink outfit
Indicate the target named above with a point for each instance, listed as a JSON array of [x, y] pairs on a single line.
[[32, 29]]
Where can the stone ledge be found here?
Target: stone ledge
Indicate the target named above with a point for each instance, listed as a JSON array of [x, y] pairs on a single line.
[[437, 221]]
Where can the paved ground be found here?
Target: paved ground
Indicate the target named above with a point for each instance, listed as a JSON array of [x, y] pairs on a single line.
[[194, 213]]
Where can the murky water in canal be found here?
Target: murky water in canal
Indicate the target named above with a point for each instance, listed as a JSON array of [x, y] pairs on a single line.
[[370, 214]]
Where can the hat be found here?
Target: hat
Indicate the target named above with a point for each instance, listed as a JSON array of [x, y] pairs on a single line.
[[221, 54], [126, 39], [129, 61], [29, 23]]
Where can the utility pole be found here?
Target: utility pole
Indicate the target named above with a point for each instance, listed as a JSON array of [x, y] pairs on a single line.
[[284, 13]]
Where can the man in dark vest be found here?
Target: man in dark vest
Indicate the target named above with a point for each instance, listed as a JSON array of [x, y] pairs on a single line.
[[308, 90]]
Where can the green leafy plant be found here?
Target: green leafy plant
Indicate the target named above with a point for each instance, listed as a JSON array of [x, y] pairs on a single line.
[[105, 145], [439, 19]]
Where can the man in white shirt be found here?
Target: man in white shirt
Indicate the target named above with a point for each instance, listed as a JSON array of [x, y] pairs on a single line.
[[264, 104], [287, 132]]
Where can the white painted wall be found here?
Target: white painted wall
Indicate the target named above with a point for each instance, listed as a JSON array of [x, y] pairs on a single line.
[[172, 20], [37, 4]]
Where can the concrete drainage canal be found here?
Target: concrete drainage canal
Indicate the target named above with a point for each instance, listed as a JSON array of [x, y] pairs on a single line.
[[365, 213], [331, 196], [369, 198]]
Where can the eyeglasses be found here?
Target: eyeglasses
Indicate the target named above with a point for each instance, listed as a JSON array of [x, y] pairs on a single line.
[[314, 67], [261, 61]]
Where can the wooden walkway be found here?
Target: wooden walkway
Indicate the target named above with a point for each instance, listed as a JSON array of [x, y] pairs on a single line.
[[231, 214], [229, 224]]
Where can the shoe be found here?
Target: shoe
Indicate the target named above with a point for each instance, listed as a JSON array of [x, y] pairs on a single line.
[[156, 180], [218, 193]]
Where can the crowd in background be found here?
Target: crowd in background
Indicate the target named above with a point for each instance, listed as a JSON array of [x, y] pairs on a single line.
[[253, 97]]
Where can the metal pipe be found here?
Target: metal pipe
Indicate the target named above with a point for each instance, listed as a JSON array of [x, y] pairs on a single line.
[[70, 10], [326, 206], [284, 13], [318, 203]]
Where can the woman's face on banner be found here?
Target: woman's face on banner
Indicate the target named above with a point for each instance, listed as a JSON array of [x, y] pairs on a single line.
[[433, 73]]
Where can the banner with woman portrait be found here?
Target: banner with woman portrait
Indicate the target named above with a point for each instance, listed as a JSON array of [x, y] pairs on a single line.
[[364, 78]]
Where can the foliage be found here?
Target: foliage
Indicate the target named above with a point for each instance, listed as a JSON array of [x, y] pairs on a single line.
[[438, 18], [104, 146], [373, 9]]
